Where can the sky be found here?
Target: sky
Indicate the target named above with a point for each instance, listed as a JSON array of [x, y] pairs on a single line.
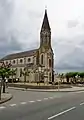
[[20, 25]]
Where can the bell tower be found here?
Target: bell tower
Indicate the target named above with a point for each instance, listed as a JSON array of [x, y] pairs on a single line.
[[45, 33], [46, 56]]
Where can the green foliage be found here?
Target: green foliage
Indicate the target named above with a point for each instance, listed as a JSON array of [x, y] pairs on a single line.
[[81, 74], [6, 72], [12, 72], [74, 74]]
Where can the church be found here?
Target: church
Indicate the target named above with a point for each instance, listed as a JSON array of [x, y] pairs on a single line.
[[38, 64]]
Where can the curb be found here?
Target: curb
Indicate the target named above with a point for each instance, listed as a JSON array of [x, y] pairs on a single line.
[[3, 101], [15, 88], [51, 91], [36, 90]]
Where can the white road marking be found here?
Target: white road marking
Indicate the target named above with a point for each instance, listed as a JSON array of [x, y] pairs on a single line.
[[61, 113], [50, 97], [39, 100], [45, 98], [55, 96], [12, 105], [23, 103], [31, 101], [82, 103], [2, 107]]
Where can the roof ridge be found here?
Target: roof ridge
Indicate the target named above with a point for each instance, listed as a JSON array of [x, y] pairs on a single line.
[[19, 54]]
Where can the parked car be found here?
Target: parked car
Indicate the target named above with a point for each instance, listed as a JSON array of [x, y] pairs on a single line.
[[14, 80]]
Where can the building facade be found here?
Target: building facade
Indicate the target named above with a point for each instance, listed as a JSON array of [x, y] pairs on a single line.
[[37, 64]]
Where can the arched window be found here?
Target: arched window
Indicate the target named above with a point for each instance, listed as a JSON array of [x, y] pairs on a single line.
[[29, 59], [20, 72], [13, 61], [50, 63], [41, 59], [21, 60], [49, 76]]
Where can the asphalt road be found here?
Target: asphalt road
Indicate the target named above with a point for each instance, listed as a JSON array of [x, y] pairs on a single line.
[[43, 106]]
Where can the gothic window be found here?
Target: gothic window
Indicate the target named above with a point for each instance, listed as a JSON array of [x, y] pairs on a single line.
[[24, 69], [49, 76], [46, 38], [41, 59], [50, 63]]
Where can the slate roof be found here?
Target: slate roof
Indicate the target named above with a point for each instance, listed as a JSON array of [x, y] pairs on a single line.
[[45, 24], [19, 55]]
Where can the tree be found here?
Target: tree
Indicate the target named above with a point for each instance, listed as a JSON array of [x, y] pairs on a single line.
[[4, 72], [67, 77], [81, 74], [12, 73], [25, 73], [71, 75]]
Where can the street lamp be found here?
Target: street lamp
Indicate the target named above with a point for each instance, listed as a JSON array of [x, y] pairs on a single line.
[[58, 81], [39, 73], [36, 71]]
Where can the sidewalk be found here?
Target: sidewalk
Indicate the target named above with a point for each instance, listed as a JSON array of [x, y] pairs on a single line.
[[5, 97], [73, 89]]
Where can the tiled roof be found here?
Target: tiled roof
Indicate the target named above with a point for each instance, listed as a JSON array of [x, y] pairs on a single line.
[[19, 55]]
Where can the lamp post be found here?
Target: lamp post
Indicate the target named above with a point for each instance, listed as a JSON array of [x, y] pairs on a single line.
[[39, 70], [58, 82], [25, 73], [58, 85]]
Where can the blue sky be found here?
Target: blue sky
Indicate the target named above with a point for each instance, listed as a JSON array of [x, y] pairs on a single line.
[[21, 20]]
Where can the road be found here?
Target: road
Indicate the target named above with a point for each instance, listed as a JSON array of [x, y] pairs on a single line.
[[28, 105]]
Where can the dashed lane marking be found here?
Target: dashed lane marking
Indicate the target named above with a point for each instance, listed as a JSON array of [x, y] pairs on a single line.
[[12, 105], [23, 103], [32, 101], [2, 107], [50, 97], [82, 103], [39, 100], [45, 98]]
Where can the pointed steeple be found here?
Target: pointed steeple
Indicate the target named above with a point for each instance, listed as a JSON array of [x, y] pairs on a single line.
[[45, 24]]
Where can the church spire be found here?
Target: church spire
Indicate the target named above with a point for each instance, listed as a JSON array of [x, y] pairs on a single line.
[[45, 24]]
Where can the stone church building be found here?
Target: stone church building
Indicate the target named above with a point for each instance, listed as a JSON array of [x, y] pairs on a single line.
[[38, 64]]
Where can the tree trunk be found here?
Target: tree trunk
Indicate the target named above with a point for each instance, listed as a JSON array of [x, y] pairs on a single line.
[[67, 79], [12, 78], [0, 89], [24, 78], [0, 92], [3, 85]]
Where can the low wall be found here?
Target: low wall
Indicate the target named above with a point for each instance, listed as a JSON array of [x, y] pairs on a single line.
[[38, 86]]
